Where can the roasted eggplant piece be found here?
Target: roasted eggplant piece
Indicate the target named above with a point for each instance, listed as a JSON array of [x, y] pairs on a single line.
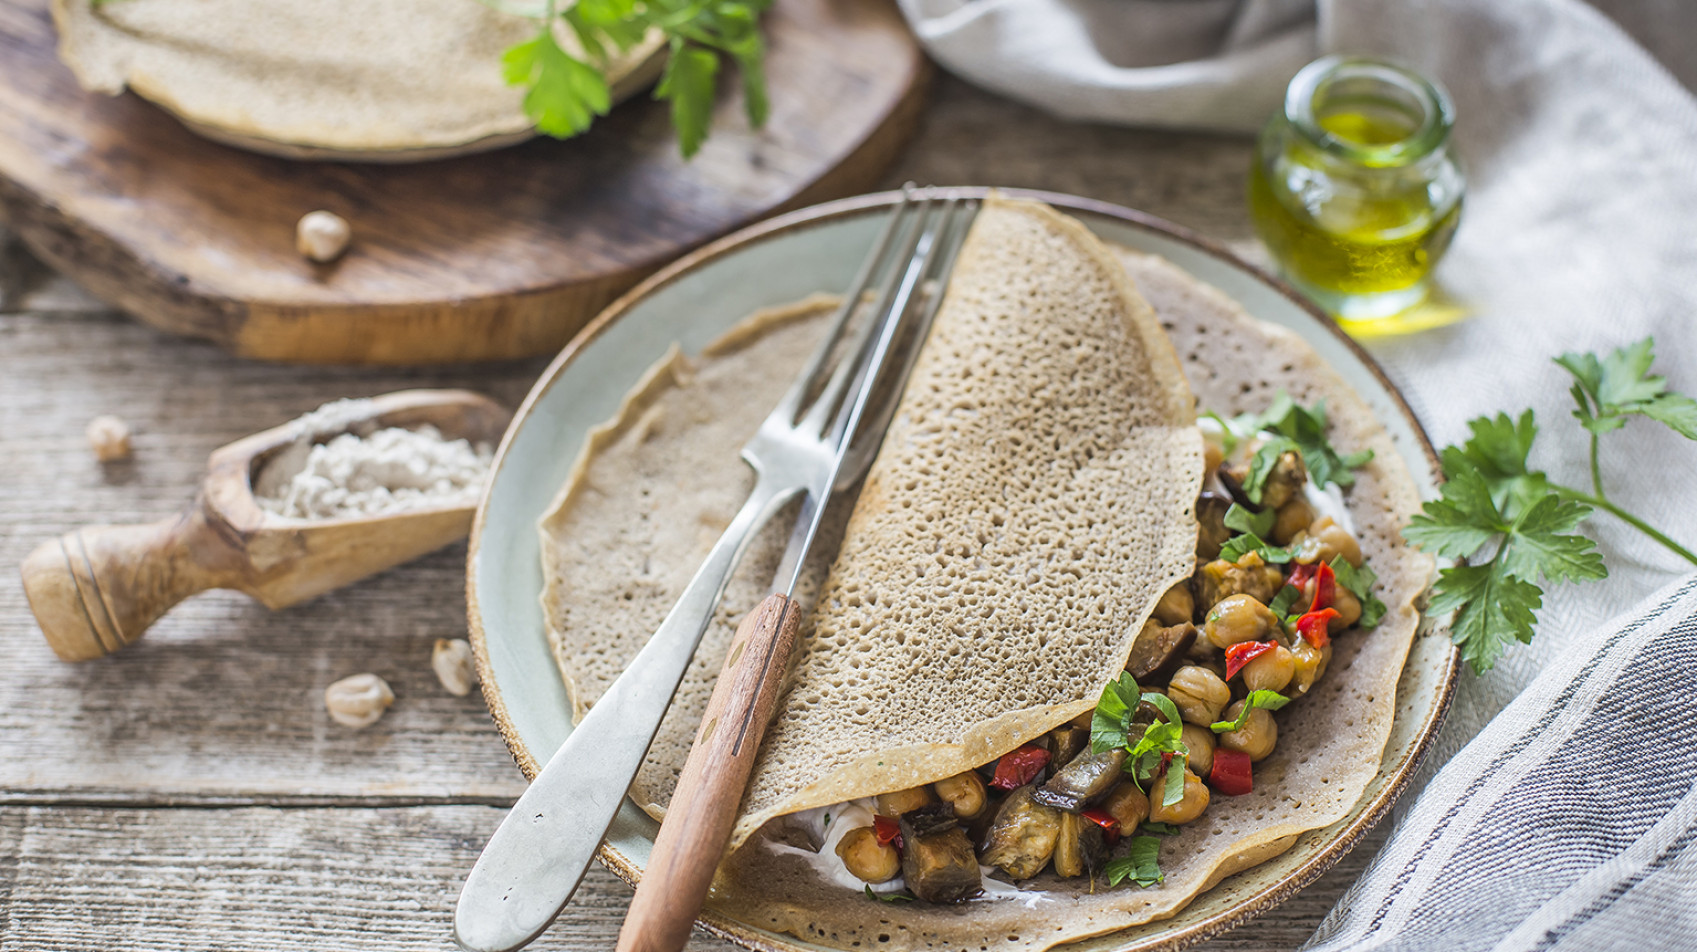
[[1023, 835], [1081, 848], [1211, 522], [937, 859], [1067, 742], [1158, 651], [1085, 779]]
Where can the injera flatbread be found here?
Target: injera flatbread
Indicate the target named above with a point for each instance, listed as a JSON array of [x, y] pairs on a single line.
[[396, 80], [1237, 364]]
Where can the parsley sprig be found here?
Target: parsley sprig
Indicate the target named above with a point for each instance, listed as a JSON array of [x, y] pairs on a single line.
[[1113, 726], [1515, 527], [565, 93]]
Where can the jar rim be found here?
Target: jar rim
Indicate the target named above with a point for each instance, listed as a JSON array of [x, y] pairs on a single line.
[[1312, 82]]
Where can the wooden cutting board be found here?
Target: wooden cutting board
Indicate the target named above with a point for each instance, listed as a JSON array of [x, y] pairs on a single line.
[[498, 255]]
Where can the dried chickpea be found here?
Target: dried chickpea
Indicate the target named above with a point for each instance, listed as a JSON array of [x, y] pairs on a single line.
[[1239, 618], [964, 791], [897, 802], [1128, 805], [1200, 742], [1177, 606], [109, 437], [1199, 694], [1188, 808], [1293, 517], [1310, 664], [359, 700], [451, 659], [1324, 541], [1256, 737], [1269, 670], [869, 860], [322, 236]]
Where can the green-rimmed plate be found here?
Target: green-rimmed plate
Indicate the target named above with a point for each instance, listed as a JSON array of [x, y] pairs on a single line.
[[696, 300]]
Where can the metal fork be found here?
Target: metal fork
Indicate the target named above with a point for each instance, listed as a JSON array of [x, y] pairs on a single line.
[[536, 859]]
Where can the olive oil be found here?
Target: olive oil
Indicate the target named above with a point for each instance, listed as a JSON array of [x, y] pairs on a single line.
[[1352, 190]]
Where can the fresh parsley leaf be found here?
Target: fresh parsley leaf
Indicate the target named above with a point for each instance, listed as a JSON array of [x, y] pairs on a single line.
[[1173, 791], [1141, 864], [1609, 389], [1497, 451], [1110, 725], [1159, 829], [1496, 600], [1492, 608], [1359, 582], [1286, 599], [1305, 429], [1238, 546], [1262, 463], [566, 94], [1254, 523], [1268, 700], [888, 897]]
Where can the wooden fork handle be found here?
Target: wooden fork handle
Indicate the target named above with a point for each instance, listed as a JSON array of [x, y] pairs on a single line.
[[704, 807]]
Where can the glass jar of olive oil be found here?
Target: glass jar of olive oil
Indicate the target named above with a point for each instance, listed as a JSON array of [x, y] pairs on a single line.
[[1353, 188]]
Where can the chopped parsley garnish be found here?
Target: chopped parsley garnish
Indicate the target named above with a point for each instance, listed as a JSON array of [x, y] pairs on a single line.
[[1303, 430], [1111, 726], [1267, 700], [888, 897], [1141, 864]]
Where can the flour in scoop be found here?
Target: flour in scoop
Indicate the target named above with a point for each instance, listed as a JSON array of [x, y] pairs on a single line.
[[377, 472]]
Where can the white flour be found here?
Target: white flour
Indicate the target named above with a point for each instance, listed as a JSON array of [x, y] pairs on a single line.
[[368, 473]]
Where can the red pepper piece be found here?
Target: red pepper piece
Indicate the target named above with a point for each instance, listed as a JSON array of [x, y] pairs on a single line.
[[1232, 774], [1313, 627], [1019, 766], [1300, 576], [1242, 653], [1325, 587], [887, 830], [1105, 820]]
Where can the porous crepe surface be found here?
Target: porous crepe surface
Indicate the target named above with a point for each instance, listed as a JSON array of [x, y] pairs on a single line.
[[1032, 499], [359, 76], [646, 499], [1330, 742]]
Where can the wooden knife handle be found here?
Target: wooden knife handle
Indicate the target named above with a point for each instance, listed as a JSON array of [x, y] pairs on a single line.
[[704, 807]]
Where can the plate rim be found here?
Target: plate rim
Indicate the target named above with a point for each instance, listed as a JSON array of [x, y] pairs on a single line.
[[780, 226]]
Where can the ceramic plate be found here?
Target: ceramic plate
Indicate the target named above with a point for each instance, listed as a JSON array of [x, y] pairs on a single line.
[[784, 259]]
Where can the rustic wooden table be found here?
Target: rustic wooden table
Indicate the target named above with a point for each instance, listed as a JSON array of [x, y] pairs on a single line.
[[190, 792]]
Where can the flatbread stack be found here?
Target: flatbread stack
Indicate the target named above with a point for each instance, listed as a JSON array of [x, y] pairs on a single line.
[[321, 78], [1033, 498]]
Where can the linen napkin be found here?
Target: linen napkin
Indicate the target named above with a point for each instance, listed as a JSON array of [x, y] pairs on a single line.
[[1579, 233]]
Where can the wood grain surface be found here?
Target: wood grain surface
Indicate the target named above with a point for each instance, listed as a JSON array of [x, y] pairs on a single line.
[[190, 792], [497, 255]]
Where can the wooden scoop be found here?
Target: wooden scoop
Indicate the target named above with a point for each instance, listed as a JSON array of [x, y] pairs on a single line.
[[96, 589]]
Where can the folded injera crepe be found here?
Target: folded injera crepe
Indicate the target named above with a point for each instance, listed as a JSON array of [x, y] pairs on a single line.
[[1330, 743], [397, 81]]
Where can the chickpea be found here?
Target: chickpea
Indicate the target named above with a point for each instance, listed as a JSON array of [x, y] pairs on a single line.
[[1293, 517], [1199, 694], [964, 791], [1128, 805], [1257, 735], [1177, 606], [869, 860], [1239, 618], [1324, 541], [897, 802], [1310, 664], [1200, 742], [1188, 808], [1269, 670], [1349, 609], [1284, 482]]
